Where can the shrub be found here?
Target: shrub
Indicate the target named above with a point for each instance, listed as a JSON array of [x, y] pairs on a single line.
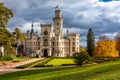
[[37, 56], [80, 57], [6, 58]]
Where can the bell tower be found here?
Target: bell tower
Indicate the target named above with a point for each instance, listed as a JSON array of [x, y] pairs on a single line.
[[57, 24]]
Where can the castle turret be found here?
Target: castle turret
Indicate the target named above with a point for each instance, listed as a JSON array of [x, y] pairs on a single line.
[[57, 14], [28, 34]]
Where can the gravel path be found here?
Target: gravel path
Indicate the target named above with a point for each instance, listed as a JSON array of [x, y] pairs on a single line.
[[10, 67]]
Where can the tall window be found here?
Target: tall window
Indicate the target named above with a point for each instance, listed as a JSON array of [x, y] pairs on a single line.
[[45, 41], [73, 43], [45, 33], [53, 49], [73, 49], [53, 43]]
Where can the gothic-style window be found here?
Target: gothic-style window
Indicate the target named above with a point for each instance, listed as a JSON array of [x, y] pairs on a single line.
[[45, 33], [45, 41], [53, 49]]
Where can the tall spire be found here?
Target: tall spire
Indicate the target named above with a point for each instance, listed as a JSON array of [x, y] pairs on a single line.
[[32, 30], [67, 32], [32, 25]]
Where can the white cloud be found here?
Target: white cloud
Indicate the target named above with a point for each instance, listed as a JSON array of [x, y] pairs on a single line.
[[110, 35], [78, 15]]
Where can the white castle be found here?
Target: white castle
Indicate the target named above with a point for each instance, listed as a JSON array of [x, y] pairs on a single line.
[[51, 41]]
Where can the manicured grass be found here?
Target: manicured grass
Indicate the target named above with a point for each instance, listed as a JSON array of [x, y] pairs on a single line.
[[102, 71], [18, 59], [60, 62], [42, 63]]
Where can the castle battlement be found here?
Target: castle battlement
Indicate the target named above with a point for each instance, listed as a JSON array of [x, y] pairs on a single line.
[[44, 25]]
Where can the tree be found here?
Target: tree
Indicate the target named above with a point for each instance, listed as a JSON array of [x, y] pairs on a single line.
[[117, 39], [90, 41], [105, 48], [5, 15], [80, 57], [19, 35], [6, 38]]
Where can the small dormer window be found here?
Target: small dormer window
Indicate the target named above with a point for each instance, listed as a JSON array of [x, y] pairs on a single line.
[[45, 33]]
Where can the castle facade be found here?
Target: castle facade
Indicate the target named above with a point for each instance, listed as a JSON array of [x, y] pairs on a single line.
[[51, 41]]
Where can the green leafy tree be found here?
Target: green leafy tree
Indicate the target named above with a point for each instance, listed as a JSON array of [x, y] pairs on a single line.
[[5, 15], [80, 57], [90, 41], [19, 35], [6, 38]]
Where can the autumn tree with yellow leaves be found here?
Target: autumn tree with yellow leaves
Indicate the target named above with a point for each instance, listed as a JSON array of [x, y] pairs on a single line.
[[117, 39], [105, 48]]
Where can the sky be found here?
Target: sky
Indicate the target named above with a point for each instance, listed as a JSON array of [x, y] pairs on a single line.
[[79, 16]]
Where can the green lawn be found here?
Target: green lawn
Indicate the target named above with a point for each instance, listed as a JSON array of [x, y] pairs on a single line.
[[18, 59], [102, 71], [59, 62]]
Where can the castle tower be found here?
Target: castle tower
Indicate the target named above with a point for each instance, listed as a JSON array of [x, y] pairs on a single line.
[[57, 23]]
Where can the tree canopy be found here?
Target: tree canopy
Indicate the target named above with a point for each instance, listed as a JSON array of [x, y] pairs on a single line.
[[105, 48], [6, 38], [19, 35], [5, 15], [117, 39]]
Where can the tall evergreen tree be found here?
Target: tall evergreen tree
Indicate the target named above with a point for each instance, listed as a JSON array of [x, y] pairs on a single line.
[[90, 41]]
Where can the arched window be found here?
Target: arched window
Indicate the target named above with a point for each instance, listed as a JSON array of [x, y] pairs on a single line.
[[45, 33], [45, 41]]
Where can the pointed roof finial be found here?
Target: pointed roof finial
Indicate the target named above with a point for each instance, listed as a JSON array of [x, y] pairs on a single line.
[[32, 25], [67, 31]]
